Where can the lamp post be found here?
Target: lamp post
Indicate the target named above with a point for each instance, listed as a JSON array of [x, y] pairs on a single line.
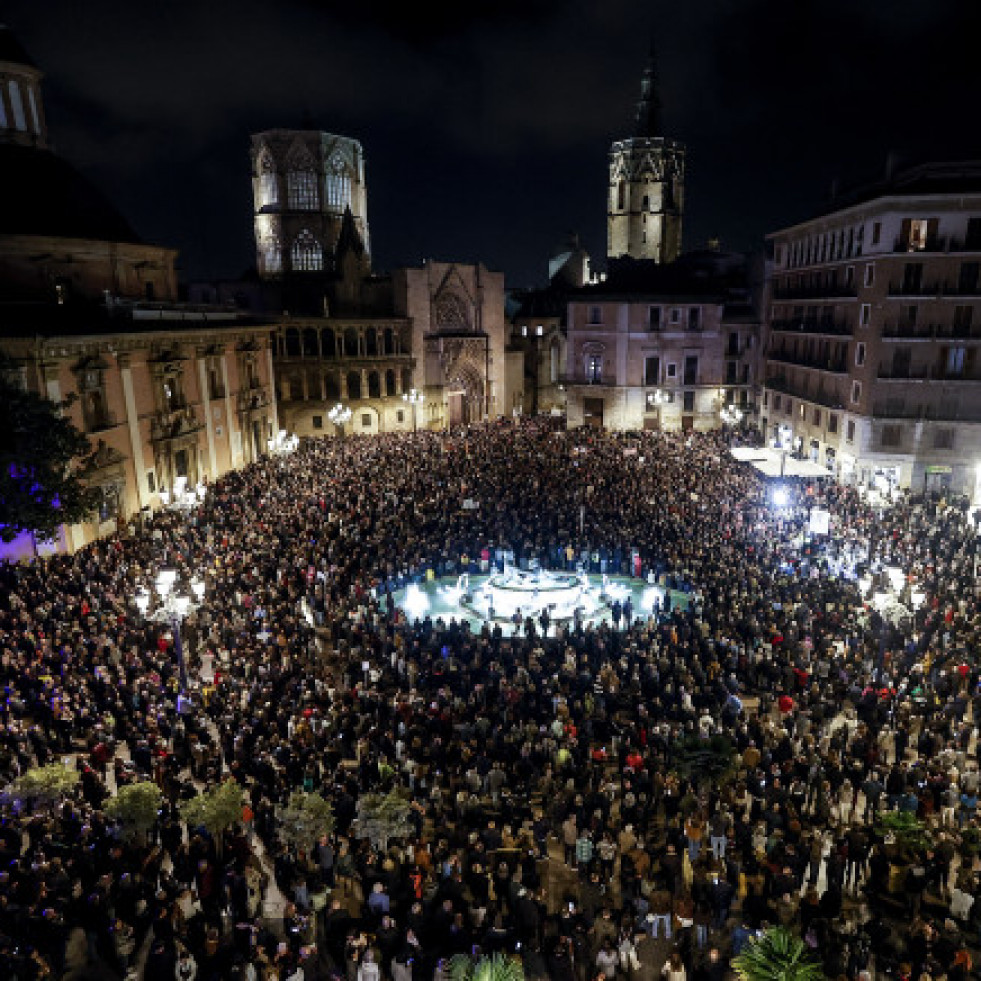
[[172, 608], [339, 415], [414, 398], [282, 444]]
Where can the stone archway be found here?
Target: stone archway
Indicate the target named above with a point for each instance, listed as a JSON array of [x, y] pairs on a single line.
[[465, 395]]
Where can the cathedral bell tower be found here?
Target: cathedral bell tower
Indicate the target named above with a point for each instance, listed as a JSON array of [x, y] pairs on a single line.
[[647, 185]]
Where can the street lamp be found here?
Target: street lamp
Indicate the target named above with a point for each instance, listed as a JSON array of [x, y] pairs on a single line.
[[173, 607], [339, 415], [414, 398], [282, 444]]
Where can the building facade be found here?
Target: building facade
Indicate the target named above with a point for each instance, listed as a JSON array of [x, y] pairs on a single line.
[[169, 398], [661, 348], [646, 195], [460, 341], [873, 333]]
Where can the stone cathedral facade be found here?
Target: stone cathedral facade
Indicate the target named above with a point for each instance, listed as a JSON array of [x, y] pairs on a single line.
[[647, 186]]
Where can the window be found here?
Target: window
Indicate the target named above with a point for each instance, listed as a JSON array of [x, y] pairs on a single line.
[[876, 232], [318, 422], [540, 330], [943, 439], [856, 391], [654, 318], [672, 371], [689, 402], [777, 402], [647, 203], [859, 355], [955, 361], [832, 422], [307, 254], [17, 106], [918, 234], [912, 277], [594, 369], [907, 315], [35, 119], [816, 418], [891, 435], [400, 416], [621, 195], [691, 369], [802, 411], [524, 330], [967, 280], [301, 190], [366, 420], [675, 315], [652, 371], [595, 315], [963, 316], [338, 185], [268, 185], [270, 255], [869, 274], [850, 431], [865, 315], [151, 481], [694, 318], [850, 276]]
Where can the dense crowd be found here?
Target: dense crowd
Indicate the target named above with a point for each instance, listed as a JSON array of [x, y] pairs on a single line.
[[620, 801]]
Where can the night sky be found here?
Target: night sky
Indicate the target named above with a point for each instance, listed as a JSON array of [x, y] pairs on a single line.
[[486, 129]]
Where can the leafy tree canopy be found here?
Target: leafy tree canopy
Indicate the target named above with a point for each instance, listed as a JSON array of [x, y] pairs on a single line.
[[44, 460]]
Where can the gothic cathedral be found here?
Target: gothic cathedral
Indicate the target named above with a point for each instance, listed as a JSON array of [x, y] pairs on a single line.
[[647, 185]]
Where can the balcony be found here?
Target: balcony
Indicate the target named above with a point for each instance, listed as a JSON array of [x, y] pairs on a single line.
[[962, 289], [958, 332], [252, 399], [928, 413], [926, 373], [909, 332], [939, 243], [834, 328], [174, 423], [836, 366], [830, 400], [916, 290], [818, 291]]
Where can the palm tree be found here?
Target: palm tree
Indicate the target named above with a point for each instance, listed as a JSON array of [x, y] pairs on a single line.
[[777, 955]]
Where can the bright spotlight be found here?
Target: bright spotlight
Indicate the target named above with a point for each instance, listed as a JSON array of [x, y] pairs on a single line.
[[415, 603], [780, 497]]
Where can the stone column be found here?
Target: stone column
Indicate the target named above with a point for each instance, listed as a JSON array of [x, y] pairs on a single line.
[[209, 424]]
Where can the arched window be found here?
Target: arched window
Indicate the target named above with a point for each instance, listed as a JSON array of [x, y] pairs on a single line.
[[371, 342], [307, 254], [390, 381], [270, 255], [310, 349], [354, 384], [17, 106], [327, 344], [389, 341], [268, 185], [374, 385], [301, 190], [338, 185], [292, 343], [351, 342], [332, 388]]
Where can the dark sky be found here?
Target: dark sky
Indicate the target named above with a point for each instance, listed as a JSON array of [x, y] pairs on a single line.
[[486, 127]]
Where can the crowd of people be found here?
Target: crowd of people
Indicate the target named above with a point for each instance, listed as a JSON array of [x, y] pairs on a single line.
[[763, 748]]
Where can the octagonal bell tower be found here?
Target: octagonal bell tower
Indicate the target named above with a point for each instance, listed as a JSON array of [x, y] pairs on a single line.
[[647, 185]]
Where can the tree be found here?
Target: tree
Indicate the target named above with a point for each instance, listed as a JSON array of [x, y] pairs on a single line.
[[909, 834], [216, 809], [381, 817], [42, 785], [304, 820], [777, 956], [136, 807], [709, 760], [495, 968], [44, 461]]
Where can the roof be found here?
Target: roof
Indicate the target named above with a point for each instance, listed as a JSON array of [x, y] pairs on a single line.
[[937, 178], [42, 194], [698, 275], [11, 50]]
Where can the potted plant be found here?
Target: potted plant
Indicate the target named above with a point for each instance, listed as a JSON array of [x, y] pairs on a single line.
[[42, 786], [777, 955], [494, 968], [304, 820], [216, 809], [382, 817]]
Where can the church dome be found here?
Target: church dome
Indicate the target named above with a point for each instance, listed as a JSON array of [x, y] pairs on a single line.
[[42, 194]]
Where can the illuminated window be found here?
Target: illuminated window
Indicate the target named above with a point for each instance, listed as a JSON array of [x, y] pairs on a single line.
[[301, 190], [17, 106], [307, 254], [271, 255], [594, 369], [338, 185], [918, 233], [268, 185]]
